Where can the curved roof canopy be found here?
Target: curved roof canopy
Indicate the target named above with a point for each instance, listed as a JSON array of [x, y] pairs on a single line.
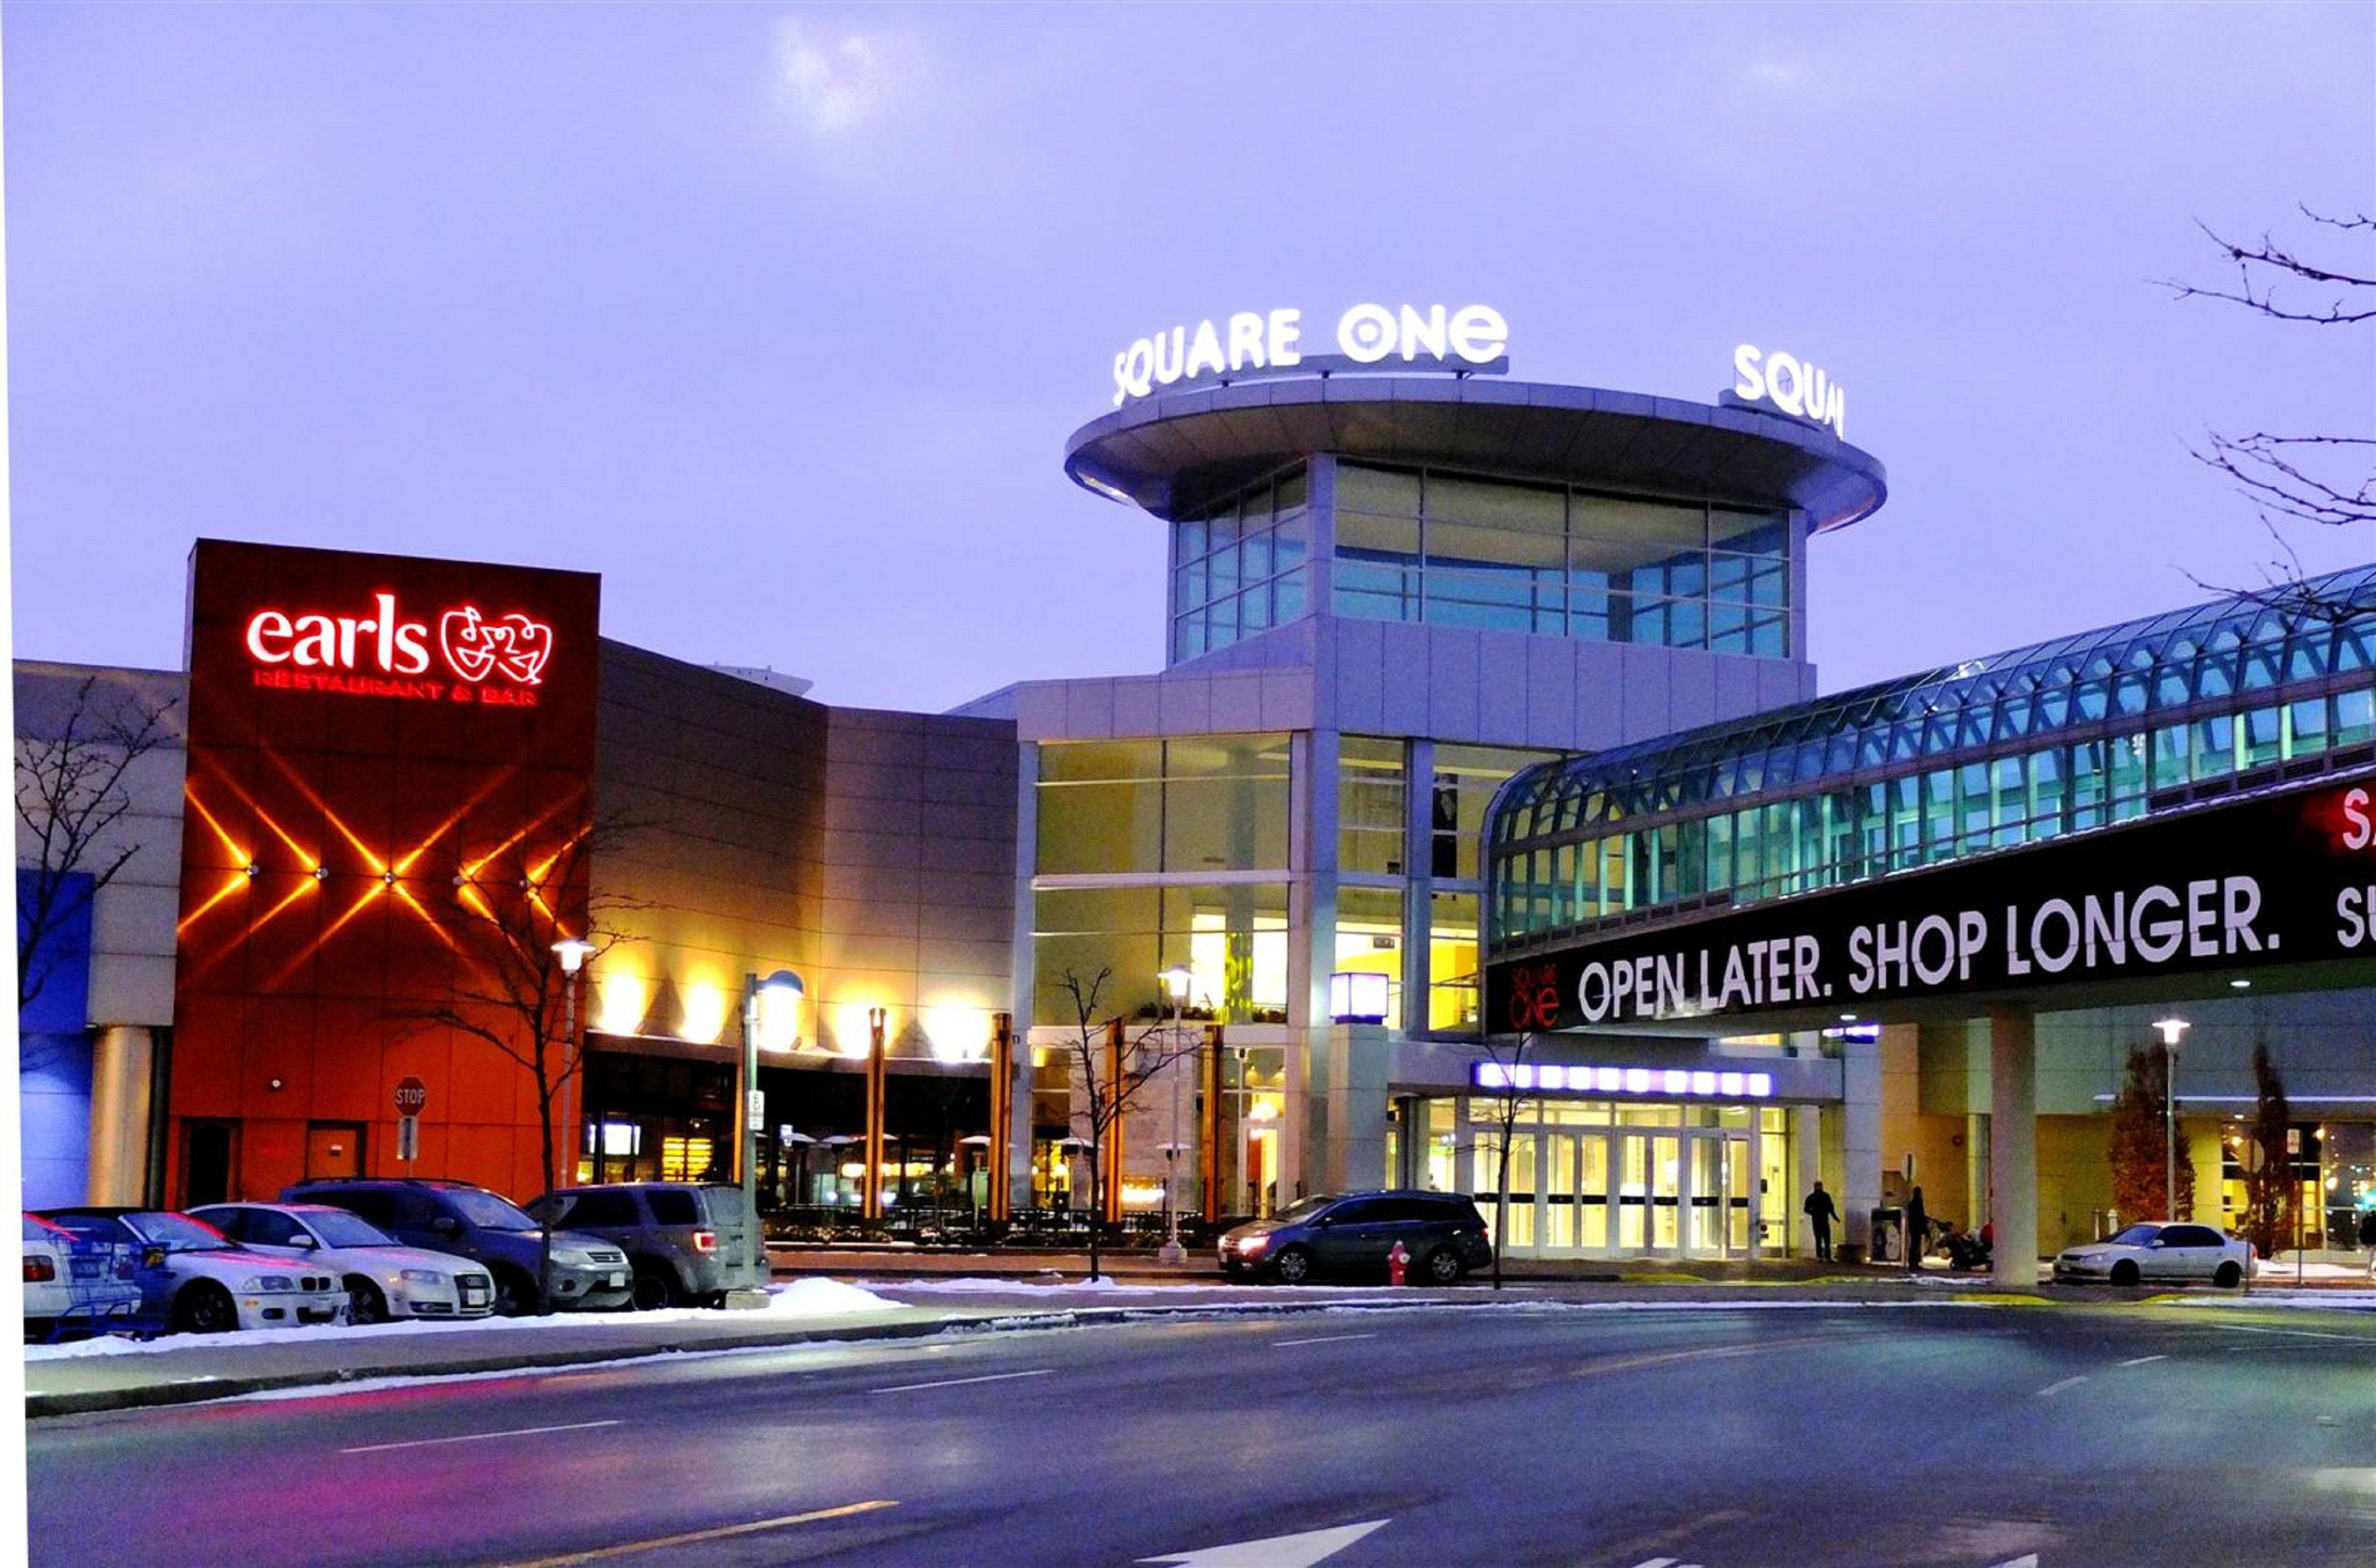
[[1170, 453]]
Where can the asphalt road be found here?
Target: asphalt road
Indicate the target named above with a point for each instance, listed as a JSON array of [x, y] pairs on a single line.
[[1725, 1438]]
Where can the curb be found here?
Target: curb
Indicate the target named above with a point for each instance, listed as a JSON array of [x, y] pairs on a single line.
[[152, 1395]]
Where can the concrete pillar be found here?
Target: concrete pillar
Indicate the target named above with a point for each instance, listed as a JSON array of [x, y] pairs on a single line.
[[2013, 1143], [120, 1072], [1859, 1187], [1353, 1157]]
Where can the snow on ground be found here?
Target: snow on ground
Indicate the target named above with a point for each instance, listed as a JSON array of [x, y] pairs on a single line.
[[797, 1298]]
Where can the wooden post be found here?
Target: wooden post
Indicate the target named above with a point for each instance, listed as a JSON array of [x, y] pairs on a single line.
[[871, 1185], [1002, 1117]]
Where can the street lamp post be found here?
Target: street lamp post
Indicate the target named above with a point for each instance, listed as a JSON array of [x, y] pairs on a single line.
[[1176, 980], [785, 984], [573, 952], [2170, 1030]]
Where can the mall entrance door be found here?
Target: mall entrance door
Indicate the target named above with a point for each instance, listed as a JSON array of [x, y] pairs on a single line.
[[1629, 1192]]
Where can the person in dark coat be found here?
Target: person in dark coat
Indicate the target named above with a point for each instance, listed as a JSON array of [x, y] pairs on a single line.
[[1820, 1214], [1918, 1230]]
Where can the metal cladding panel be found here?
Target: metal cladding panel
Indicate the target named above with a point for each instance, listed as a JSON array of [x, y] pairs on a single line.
[[1189, 444]]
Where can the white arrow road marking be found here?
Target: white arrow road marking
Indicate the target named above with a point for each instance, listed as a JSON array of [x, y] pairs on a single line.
[[2029, 1560], [955, 1381], [2053, 1388], [2141, 1360], [1322, 1340], [1278, 1551], [476, 1437]]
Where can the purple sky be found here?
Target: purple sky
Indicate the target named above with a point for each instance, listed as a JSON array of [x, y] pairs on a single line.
[[780, 318]]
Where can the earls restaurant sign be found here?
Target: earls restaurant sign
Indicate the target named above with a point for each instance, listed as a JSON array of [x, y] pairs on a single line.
[[464, 656], [2280, 879]]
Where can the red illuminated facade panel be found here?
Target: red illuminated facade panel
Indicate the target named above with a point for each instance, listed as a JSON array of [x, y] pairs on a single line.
[[390, 776]]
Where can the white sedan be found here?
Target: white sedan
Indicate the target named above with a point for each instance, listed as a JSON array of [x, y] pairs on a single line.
[[193, 1277], [2190, 1254], [383, 1279]]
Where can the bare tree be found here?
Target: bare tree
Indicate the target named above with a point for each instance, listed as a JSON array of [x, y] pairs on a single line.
[[511, 985], [1504, 1055], [1113, 1066], [70, 796], [2270, 1194], [2329, 480]]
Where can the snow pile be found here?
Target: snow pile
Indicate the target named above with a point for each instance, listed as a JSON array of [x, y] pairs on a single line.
[[801, 1298], [823, 1297]]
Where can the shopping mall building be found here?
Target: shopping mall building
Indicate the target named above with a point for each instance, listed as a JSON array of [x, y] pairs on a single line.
[[1486, 780]]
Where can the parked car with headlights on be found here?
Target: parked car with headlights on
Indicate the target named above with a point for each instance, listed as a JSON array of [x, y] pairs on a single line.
[[199, 1281], [1442, 1234], [2160, 1254], [383, 1279], [454, 1216]]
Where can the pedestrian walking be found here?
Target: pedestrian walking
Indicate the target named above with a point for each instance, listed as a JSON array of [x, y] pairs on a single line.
[[1918, 1231], [1820, 1212], [2367, 1238]]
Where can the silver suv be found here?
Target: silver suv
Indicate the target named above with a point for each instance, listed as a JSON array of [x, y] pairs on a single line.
[[685, 1241]]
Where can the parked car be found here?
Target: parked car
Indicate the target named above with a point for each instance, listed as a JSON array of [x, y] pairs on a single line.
[[1353, 1233], [74, 1283], [197, 1279], [454, 1216], [383, 1279], [685, 1241], [2185, 1253]]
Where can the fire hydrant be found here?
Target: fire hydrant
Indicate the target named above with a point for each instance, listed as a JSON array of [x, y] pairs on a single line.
[[1397, 1261]]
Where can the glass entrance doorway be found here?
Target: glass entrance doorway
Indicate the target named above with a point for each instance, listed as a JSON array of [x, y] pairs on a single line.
[[1643, 1184]]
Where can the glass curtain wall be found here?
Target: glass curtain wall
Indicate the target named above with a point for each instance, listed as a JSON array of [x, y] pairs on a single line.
[[1237, 568], [1183, 844], [1459, 550]]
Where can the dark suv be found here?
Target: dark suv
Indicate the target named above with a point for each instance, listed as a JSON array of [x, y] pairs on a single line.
[[685, 1241], [1442, 1234], [454, 1216]]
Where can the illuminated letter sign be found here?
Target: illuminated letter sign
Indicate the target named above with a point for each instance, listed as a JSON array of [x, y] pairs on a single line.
[[1367, 334], [383, 654], [1789, 385]]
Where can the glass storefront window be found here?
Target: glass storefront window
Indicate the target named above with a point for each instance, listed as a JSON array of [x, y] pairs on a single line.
[[1452, 989], [1370, 940], [1232, 936]]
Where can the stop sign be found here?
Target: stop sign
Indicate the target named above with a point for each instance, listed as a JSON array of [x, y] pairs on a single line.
[[411, 1094]]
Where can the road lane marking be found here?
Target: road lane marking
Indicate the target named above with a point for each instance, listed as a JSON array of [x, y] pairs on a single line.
[[955, 1381], [2141, 1360], [1298, 1550], [1322, 1340], [628, 1549], [1701, 1352], [2053, 1388], [2290, 1333], [476, 1437]]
